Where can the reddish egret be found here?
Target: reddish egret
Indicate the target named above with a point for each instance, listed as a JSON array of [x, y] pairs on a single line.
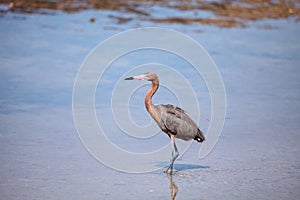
[[171, 119]]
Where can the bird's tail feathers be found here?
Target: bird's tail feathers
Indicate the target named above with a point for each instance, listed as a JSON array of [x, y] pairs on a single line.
[[199, 137]]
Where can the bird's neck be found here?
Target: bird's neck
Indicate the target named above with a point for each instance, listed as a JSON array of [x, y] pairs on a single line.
[[150, 93]]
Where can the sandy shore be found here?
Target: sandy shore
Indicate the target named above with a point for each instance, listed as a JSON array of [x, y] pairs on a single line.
[[221, 13]]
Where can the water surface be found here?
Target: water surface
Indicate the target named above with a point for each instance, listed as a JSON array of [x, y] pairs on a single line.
[[42, 157]]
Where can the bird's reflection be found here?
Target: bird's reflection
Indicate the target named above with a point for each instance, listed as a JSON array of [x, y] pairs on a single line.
[[173, 187]]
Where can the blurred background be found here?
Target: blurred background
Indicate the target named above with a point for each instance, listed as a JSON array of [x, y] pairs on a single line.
[[256, 46]]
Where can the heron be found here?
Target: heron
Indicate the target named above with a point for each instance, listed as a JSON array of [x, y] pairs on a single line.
[[171, 119]]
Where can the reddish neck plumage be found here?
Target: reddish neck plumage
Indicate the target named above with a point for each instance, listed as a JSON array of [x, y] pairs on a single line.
[[150, 93]]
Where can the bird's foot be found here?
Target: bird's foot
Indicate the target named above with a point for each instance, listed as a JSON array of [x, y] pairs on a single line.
[[169, 170]]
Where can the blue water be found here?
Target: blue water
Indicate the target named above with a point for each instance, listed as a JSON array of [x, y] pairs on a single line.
[[257, 155]]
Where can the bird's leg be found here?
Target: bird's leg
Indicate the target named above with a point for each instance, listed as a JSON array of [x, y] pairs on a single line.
[[175, 155]]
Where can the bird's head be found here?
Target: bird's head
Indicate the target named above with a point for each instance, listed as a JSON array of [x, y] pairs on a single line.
[[148, 76]]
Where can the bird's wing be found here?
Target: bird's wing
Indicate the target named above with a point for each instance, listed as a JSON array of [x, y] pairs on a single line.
[[177, 122]]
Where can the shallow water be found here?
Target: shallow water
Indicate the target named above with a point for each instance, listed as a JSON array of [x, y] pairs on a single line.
[[257, 155]]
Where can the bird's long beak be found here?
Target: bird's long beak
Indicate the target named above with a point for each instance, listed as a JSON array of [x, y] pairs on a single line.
[[139, 77]]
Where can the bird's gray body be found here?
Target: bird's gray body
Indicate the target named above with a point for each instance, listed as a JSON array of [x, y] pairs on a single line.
[[174, 121], [170, 119]]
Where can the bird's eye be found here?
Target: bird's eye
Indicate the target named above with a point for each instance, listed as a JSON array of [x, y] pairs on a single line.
[[147, 76]]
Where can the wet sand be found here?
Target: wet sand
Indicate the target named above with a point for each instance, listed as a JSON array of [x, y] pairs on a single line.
[[222, 13], [257, 155]]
